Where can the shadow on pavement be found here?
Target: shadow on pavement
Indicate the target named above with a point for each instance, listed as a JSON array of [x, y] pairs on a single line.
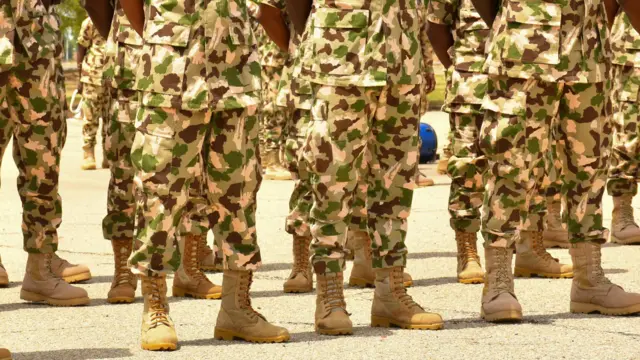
[[74, 354], [428, 255], [434, 281]]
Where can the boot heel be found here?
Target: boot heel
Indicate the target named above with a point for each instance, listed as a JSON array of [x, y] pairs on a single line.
[[177, 292], [29, 296], [519, 272], [582, 308], [225, 335], [377, 321]]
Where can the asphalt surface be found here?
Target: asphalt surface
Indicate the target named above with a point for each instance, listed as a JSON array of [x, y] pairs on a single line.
[[103, 331]]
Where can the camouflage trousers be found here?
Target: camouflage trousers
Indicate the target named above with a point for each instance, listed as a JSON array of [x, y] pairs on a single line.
[[273, 117], [95, 105], [346, 122], [119, 222], [516, 133], [466, 167], [624, 172], [301, 200], [32, 104], [166, 153]]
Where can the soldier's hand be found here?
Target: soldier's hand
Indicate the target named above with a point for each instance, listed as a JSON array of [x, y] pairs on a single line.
[[80, 87], [430, 82]]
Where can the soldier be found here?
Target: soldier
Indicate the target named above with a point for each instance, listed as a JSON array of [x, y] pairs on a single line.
[[95, 95], [198, 69], [624, 172], [32, 113], [547, 60], [363, 62]]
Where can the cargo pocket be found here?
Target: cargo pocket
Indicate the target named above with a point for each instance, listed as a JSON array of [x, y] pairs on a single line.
[[466, 88], [533, 32], [152, 153], [36, 26], [338, 39]]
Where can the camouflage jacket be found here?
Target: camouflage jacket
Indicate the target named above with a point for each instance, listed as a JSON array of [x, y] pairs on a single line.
[[122, 51], [466, 83], [469, 32], [198, 56], [35, 27], [625, 42], [551, 41], [361, 43], [270, 53], [93, 65]]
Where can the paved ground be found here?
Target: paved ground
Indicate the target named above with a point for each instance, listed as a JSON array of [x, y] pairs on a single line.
[[103, 331]]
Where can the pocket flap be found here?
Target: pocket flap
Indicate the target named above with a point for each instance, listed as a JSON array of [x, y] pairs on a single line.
[[629, 91], [337, 18], [514, 104], [127, 35], [165, 33], [534, 12]]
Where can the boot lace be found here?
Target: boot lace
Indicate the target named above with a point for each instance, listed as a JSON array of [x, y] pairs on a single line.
[[467, 249], [158, 313], [538, 247], [503, 273], [598, 270], [333, 294], [300, 253], [123, 275], [626, 214], [399, 291], [204, 248], [191, 265], [244, 301]]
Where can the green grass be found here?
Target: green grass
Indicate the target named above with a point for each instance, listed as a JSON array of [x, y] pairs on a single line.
[[436, 98]]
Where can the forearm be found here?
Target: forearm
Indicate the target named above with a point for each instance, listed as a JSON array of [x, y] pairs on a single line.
[[101, 13], [298, 11], [488, 9], [134, 10], [441, 40], [274, 25]]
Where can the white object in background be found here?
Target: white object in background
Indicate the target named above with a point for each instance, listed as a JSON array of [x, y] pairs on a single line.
[[78, 108]]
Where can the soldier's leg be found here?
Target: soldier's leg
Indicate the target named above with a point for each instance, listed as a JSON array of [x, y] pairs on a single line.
[[36, 103], [513, 144], [6, 132], [297, 221], [466, 167], [584, 149], [105, 104], [118, 225], [624, 171], [275, 121], [233, 180], [555, 233], [393, 145], [91, 110]]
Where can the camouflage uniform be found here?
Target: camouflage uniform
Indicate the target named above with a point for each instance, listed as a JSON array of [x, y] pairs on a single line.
[[95, 94], [122, 52], [427, 56], [273, 119], [546, 60], [624, 172], [363, 61], [196, 74], [32, 104], [466, 87]]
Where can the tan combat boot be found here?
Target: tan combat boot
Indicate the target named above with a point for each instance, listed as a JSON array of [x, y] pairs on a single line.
[[89, 159], [208, 259], [469, 268], [40, 284], [362, 274], [556, 234], [624, 229], [392, 306], [591, 291], [4, 277], [274, 170], [499, 302], [442, 166], [5, 354], [422, 180], [350, 246], [331, 316], [237, 319], [157, 330], [532, 259], [189, 280], [301, 277], [124, 284], [69, 272]]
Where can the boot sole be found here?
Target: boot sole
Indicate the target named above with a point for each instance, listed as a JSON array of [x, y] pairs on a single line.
[[519, 272], [121, 300], [88, 167], [335, 332], [408, 284], [211, 268], [77, 278], [632, 241], [476, 280], [502, 316], [549, 244], [177, 292], [360, 283], [377, 321], [582, 308], [159, 347], [296, 290], [4, 282], [229, 335], [33, 297]]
